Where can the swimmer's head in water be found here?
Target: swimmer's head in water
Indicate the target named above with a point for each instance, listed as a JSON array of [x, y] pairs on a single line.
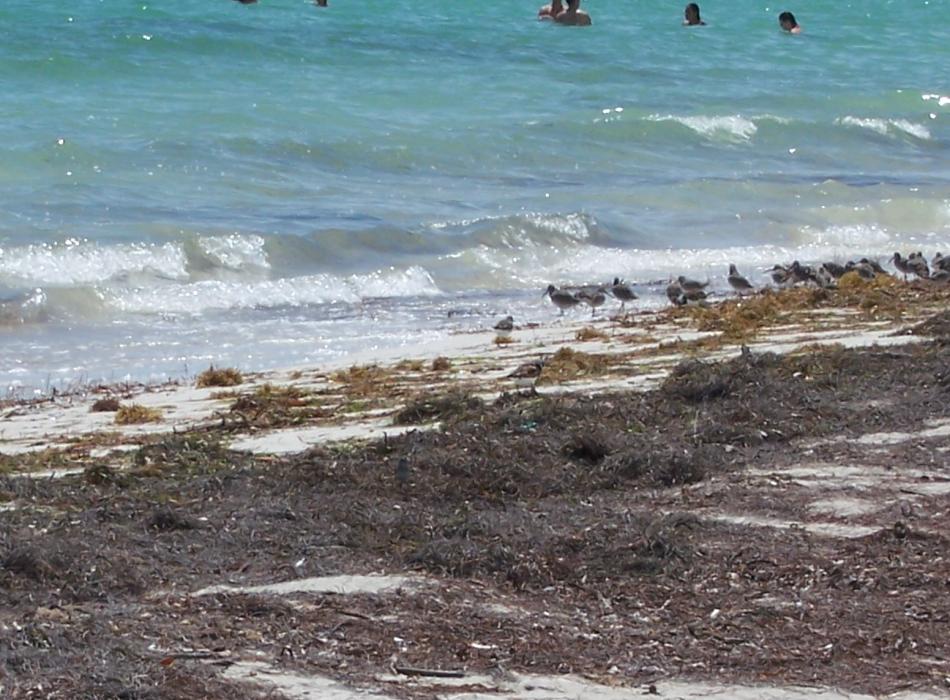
[[787, 21], [692, 14]]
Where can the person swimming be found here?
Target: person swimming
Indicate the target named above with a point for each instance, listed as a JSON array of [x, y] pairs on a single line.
[[788, 23], [691, 15], [573, 15], [551, 11]]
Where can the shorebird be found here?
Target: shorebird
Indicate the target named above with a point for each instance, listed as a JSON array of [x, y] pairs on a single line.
[[694, 296], [940, 276], [779, 274], [875, 265], [738, 282], [527, 373], [689, 285], [621, 291], [506, 324], [919, 265], [825, 279], [675, 294], [801, 274], [862, 268], [561, 298], [941, 262], [903, 265], [593, 297], [834, 269]]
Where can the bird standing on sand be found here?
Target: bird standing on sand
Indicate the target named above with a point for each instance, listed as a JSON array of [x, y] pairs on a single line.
[[527, 373], [919, 265], [593, 297], [780, 275], [621, 291], [738, 282], [941, 262], [675, 294], [801, 274], [864, 270], [826, 280], [834, 269], [940, 276], [688, 285], [903, 265], [561, 298], [506, 324]]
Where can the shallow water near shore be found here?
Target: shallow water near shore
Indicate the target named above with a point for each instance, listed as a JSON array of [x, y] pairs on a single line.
[[279, 184]]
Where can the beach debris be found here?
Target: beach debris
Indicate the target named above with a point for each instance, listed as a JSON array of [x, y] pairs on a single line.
[[441, 364], [430, 672], [106, 405], [402, 471], [590, 333], [227, 376], [131, 414], [437, 407]]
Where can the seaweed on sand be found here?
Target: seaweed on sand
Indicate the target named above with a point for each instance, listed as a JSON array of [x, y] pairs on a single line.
[[272, 406], [432, 407], [568, 364], [133, 414], [226, 376]]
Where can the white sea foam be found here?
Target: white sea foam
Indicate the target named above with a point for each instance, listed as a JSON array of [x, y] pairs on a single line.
[[886, 127], [537, 267], [942, 100], [210, 295], [83, 262], [734, 127], [236, 251]]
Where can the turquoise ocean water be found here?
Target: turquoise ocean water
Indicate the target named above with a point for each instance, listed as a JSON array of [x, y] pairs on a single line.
[[273, 184]]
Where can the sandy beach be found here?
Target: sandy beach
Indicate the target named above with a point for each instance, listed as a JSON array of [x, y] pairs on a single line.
[[747, 499]]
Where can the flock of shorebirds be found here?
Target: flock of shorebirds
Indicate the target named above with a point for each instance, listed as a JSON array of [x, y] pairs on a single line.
[[683, 290]]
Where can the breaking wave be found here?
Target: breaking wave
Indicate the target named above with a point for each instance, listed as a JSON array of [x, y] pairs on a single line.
[[887, 127]]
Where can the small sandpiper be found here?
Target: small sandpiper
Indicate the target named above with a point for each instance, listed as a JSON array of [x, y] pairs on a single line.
[[621, 291], [825, 279], [919, 265], [780, 275], [675, 294], [526, 374], [941, 262], [561, 298], [940, 276], [738, 282], [801, 274], [834, 269], [594, 297], [688, 285], [862, 268], [694, 296], [903, 265], [506, 324]]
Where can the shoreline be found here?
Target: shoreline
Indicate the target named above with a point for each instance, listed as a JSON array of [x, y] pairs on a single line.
[[681, 503]]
